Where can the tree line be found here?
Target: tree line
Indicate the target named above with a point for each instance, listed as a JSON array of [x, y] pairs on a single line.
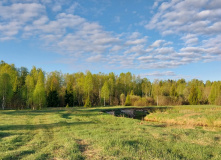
[[36, 89]]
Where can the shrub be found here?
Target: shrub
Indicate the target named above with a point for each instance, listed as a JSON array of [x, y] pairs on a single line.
[[218, 100], [115, 101], [141, 102], [150, 101], [133, 99]]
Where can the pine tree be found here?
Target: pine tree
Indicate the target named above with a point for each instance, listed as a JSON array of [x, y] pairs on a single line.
[[128, 101], [193, 97]]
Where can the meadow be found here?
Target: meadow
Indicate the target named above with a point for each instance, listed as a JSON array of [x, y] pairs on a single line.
[[182, 132]]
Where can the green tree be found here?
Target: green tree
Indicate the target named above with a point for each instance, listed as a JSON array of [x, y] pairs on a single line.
[[53, 88], [146, 87], [30, 85], [111, 82], [215, 92], [39, 92], [88, 86], [5, 89], [70, 95], [173, 92], [128, 101], [122, 98], [193, 96], [105, 92]]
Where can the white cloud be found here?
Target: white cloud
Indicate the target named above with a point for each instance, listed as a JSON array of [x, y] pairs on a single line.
[[96, 58], [188, 16], [72, 8], [165, 50], [158, 74], [190, 39], [146, 59], [157, 43], [116, 48], [138, 49], [16, 16], [134, 35], [56, 8], [137, 41]]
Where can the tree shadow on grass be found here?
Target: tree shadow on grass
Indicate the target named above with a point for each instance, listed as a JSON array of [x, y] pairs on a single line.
[[5, 134], [30, 112], [42, 112], [18, 155], [42, 126]]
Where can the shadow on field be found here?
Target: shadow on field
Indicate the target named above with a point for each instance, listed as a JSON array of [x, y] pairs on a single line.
[[65, 115], [30, 112], [5, 134], [41, 126]]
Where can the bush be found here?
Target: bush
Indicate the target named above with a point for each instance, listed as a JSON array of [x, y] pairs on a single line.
[[164, 100], [218, 100], [133, 99], [141, 102], [116, 101], [150, 101]]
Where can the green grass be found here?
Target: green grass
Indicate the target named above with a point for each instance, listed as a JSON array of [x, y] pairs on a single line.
[[88, 133]]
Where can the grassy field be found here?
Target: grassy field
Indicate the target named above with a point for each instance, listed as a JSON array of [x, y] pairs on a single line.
[[88, 133], [206, 116]]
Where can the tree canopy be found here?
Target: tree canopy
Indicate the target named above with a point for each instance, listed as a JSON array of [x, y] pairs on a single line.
[[36, 89]]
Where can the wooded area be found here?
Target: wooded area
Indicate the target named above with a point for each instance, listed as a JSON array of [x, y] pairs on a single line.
[[20, 89]]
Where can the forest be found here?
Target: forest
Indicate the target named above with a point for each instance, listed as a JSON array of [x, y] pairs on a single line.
[[36, 89]]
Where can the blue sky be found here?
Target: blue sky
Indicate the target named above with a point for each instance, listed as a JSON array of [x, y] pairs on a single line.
[[154, 39]]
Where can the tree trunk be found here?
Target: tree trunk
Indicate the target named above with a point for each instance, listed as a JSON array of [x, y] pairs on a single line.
[[157, 100], [104, 101], [3, 102]]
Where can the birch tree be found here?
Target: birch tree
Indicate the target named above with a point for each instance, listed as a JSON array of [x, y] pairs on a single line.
[[5, 89], [105, 92]]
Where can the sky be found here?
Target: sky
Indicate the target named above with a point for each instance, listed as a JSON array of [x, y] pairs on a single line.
[[158, 39]]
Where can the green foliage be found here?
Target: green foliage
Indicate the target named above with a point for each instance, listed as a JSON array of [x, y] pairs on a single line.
[[132, 92], [215, 92], [193, 97], [105, 92], [146, 87], [36, 89], [39, 95], [30, 85], [122, 99], [87, 102], [88, 83], [5, 89], [128, 101], [52, 99], [67, 106], [69, 98]]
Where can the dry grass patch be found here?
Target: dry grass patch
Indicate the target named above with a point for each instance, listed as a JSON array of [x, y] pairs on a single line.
[[205, 116]]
